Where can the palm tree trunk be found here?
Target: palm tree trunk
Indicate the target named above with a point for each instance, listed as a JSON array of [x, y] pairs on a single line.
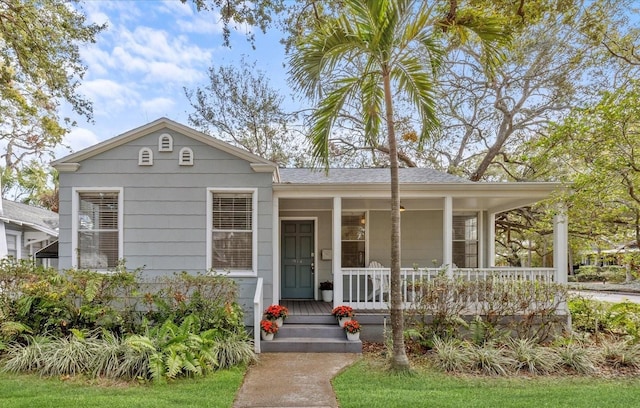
[[399, 360]]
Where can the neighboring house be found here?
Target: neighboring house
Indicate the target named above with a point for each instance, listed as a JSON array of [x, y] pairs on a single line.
[[27, 230], [169, 198]]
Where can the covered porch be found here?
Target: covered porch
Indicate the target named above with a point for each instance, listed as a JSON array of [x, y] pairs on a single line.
[[326, 228]]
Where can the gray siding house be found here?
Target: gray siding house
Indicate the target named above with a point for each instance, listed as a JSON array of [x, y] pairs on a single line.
[[25, 230], [169, 198]]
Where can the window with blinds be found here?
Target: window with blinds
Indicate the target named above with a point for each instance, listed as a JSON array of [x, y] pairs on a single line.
[[232, 231], [13, 247], [98, 230], [465, 241]]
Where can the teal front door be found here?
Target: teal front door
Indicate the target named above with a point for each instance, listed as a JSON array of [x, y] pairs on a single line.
[[297, 259]]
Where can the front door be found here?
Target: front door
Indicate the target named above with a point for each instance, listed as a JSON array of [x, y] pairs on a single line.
[[297, 260]]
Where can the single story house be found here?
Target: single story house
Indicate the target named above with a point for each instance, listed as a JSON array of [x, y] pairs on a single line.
[[170, 198], [26, 230]]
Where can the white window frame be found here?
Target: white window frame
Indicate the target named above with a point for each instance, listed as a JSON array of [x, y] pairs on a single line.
[[18, 236], [477, 241], [181, 160], [141, 158], [75, 207], [165, 136], [254, 230]]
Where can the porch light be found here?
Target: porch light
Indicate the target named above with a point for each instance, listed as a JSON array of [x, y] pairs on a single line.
[[401, 208]]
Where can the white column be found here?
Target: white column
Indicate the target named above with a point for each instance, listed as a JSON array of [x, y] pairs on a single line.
[[491, 245], [560, 246], [336, 259], [3, 236], [275, 239], [447, 235]]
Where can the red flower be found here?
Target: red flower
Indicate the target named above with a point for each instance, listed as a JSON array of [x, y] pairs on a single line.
[[352, 326], [342, 311], [275, 311], [268, 326]]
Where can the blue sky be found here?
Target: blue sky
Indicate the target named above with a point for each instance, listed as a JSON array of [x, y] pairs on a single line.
[[150, 51]]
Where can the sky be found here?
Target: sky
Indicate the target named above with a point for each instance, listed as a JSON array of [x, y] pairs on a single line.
[[150, 51]]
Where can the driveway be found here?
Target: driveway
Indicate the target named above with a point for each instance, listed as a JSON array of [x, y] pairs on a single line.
[[608, 296]]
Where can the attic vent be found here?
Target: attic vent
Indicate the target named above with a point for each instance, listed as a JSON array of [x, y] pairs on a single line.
[[165, 143], [186, 157], [145, 157]]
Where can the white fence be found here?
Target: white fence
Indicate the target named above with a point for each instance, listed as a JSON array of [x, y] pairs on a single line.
[[369, 288]]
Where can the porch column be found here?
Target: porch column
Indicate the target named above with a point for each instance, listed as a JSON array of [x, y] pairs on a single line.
[[3, 236], [336, 259], [275, 243], [491, 245], [447, 236], [560, 246]]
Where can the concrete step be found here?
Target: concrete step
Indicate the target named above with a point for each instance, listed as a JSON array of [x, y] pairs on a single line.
[[315, 319], [327, 331], [310, 345]]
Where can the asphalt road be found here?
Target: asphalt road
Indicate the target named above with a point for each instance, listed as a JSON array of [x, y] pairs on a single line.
[[608, 296]]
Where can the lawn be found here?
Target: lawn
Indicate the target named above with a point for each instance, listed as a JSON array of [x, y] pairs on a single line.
[[367, 384], [215, 390]]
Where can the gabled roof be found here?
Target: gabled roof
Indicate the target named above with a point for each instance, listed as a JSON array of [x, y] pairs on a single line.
[[72, 161], [366, 176], [34, 217]]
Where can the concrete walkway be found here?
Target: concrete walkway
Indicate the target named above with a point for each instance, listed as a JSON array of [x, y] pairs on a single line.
[[292, 380]]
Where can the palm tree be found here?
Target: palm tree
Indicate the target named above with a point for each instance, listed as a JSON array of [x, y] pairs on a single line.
[[373, 47]]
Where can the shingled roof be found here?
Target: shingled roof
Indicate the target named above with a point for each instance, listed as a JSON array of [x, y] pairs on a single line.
[[366, 176], [23, 214]]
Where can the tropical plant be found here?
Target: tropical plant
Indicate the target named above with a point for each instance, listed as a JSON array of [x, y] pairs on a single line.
[[451, 355], [327, 285], [491, 359], [352, 326], [372, 47], [532, 357]]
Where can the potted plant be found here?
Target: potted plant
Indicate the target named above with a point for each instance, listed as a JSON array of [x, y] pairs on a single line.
[[268, 328], [326, 288], [352, 328], [277, 313], [343, 314]]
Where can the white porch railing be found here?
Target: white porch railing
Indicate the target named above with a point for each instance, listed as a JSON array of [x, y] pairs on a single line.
[[257, 315], [369, 288]]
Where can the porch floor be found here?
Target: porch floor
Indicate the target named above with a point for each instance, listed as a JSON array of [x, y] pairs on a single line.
[[319, 308]]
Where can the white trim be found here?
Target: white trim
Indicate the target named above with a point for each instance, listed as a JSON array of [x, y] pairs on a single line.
[[145, 161], [254, 229], [447, 235], [315, 251], [75, 207], [68, 167], [492, 240], [480, 235], [181, 157], [18, 236], [275, 239], [161, 138], [336, 261]]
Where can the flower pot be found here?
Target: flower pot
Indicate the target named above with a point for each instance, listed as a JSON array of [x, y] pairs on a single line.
[[280, 321], [327, 295], [343, 320], [353, 336], [266, 336]]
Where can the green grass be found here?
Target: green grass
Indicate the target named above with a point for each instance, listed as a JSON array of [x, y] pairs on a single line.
[[216, 390], [367, 384]]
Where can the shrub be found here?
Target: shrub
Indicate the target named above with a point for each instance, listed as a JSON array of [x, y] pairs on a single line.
[[532, 357], [577, 357], [450, 355], [621, 354], [491, 359]]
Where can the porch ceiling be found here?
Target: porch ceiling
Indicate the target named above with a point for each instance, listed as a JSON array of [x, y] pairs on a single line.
[[493, 202]]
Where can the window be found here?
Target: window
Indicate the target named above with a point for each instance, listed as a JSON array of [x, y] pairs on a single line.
[[353, 240], [145, 157], [14, 245], [97, 231], [465, 240], [165, 143], [232, 231], [186, 157]]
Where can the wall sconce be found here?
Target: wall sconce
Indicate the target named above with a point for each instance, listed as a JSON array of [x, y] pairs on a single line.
[[401, 208]]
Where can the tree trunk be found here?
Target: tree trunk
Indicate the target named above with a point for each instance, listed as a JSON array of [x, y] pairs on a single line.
[[399, 360]]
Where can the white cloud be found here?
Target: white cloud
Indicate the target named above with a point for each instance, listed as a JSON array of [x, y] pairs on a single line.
[[76, 140], [158, 106]]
